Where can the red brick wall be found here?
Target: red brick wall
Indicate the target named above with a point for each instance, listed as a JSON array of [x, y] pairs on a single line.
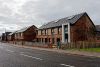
[[29, 35], [81, 30], [11, 37], [98, 37], [49, 36]]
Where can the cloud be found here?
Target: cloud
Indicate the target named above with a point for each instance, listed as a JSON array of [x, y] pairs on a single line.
[[46, 10], [15, 14]]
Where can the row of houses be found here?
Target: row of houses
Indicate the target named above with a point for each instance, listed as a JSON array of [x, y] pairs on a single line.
[[74, 28], [24, 34]]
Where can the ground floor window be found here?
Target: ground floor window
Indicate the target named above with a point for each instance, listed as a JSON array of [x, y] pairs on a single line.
[[42, 39], [98, 38], [38, 39], [58, 39], [46, 40], [49, 39], [53, 41]]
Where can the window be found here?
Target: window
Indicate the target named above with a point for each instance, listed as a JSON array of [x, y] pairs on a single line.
[[98, 33], [37, 32], [46, 40], [66, 28], [59, 30], [41, 32], [21, 34], [15, 35], [45, 32], [98, 38], [66, 37], [53, 40], [52, 31], [37, 39], [49, 39]]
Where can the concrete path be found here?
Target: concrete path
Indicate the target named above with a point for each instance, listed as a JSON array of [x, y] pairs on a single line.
[[75, 52]]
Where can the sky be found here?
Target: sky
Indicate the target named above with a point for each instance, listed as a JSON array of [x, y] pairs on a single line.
[[16, 14]]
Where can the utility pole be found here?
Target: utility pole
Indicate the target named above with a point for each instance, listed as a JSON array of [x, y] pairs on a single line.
[[5, 37]]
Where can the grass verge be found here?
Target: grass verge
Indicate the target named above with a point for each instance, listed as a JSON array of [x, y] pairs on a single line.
[[91, 49]]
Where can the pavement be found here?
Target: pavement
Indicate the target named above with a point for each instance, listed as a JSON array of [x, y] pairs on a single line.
[[22, 56], [75, 52]]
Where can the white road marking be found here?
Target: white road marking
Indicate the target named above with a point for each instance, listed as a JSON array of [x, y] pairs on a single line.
[[37, 58], [21, 52], [66, 65], [10, 51], [31, 56]]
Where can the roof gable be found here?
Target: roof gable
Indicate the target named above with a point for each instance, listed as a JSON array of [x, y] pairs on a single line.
[[25, 29]]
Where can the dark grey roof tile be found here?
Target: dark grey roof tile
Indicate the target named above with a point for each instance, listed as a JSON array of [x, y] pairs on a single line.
[[25, 28], [71, 19]]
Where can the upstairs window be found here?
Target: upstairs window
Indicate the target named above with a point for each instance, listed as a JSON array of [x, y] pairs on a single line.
[[41, 32], [66, 28], [21, 34], [45, 32], [59, 30], [37, 32], [52, 31]]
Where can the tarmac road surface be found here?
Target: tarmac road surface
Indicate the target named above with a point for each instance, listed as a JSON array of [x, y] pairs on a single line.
[[11, 56]]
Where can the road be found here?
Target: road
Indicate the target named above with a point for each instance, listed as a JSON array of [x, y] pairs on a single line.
[[11, 56]]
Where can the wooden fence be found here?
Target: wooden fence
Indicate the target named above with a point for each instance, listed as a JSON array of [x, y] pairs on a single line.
[[80, 45], [32, 44], [77, 45]]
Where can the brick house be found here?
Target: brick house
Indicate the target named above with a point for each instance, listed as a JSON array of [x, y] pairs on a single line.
[[4, 36], [11, 36], [97, 33], [74, 28], [26, 34]]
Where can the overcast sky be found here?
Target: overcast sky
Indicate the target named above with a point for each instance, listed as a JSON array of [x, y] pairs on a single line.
[[15, 14]]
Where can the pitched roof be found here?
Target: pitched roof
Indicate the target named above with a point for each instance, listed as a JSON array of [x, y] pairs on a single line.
[[71, 19], [25, 28], [98, 27], [12, 33]]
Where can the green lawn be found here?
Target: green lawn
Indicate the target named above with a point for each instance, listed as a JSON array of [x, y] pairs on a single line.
[[87, 49], [91, 49]]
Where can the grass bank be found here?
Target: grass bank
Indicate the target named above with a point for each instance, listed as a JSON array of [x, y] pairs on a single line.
[[91, 49], [86, 49]]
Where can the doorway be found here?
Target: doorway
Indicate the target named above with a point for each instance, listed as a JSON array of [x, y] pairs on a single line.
[[66, 37]]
